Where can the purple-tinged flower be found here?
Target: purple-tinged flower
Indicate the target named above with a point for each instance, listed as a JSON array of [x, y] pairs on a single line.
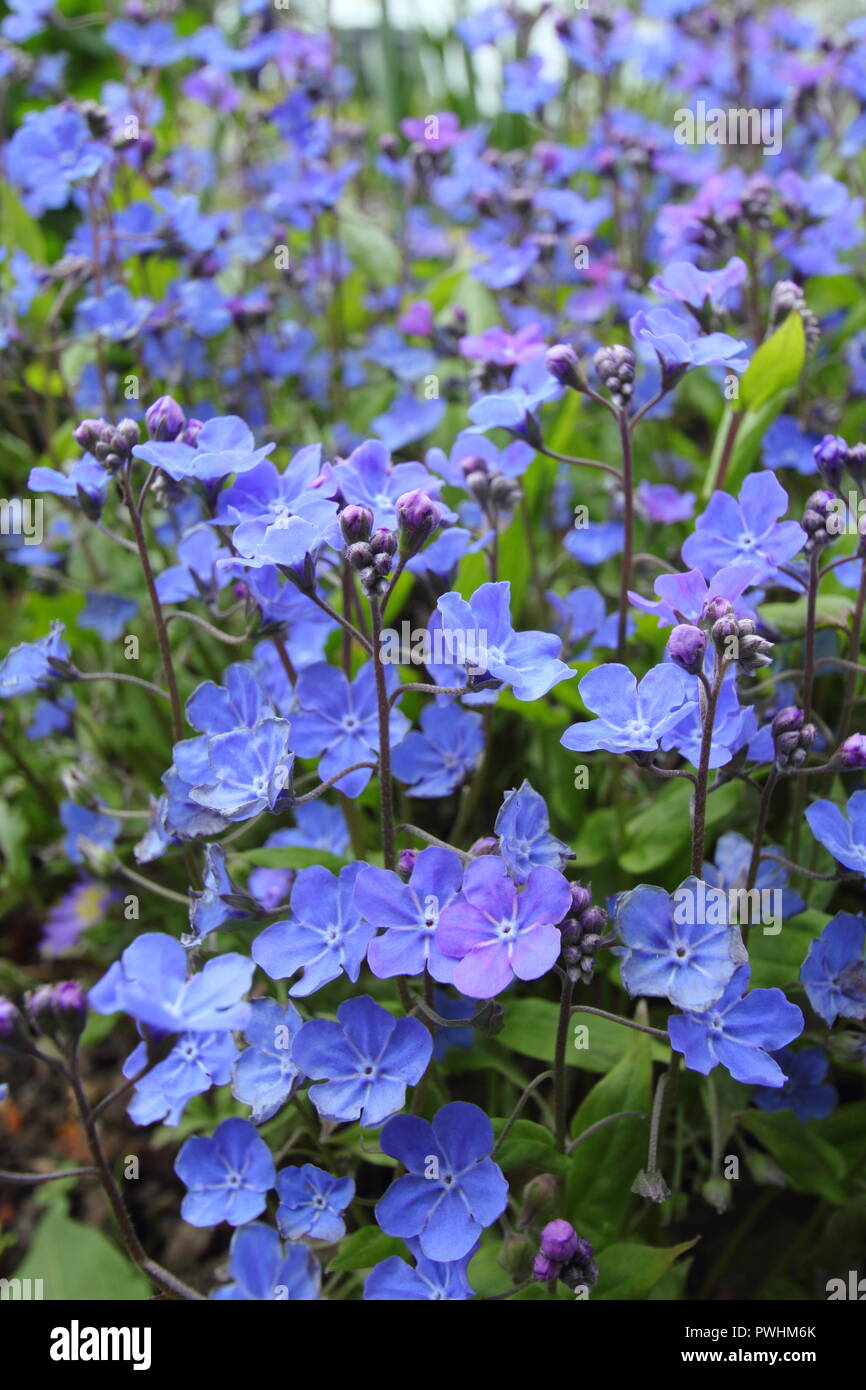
[[395, 1281], [632, 717], [852, 753], [368, 479], [262, 1272], [498, 934], [678, 946], [224, 445], [664, 503], [687, 646], [219, 899], [27, 667], [679, 347], [747, 531], [82, 907], [436, 132], [409, 914], [843, 834], [337, 721], [265, 1075], [504, 349], [418, 516], [523, 828], [514, 409], [197, 1062], [527, 661], [739, 1030], [833, 973], [805, 1090], [50, 152], [311, 1203], [227, 1176], [364, 1062], [831, 457], [596, 542], [324, 936], [150, 983], [452, 1189], [699, 289], [690, 598], [164, 419], [436, 759]]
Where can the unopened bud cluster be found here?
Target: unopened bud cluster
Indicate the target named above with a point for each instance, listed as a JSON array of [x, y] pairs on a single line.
[[495, 493], [111, 445], [615, 369], [564, 1255], [792, 737], [788, 298], [582, 934], [735, 639], [819, 520], [371, 553]]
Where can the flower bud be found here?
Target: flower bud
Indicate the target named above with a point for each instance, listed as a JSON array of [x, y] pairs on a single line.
[[383, 541], [687, 646], [59, 1011], [615, 369], [164, 419], [418, 517], [559, 1241], [356, 524], [561, 361], [852, 754], [581, 897], [544, 1269], [831, 456], [787, 719], [539, 1194], [359, 555], [406, 863]]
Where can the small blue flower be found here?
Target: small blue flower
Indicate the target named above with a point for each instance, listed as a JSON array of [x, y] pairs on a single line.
[[227, 1176], [86, 830], [395, 1281], [733, 856], [238, 774], [843, 834], [107, 614], [311, 1201], [224, 445], [27, 667], [632, 717], [324, 936], [452, 1189], [150, 983], [338, 720], [833, 972], [365, 1061], [265, 1075], [437, 759], [523, 827], [197, 1062], [51, 151], [679, 346], [262, 1272], [805, 1091], [740, 1030], [409, 913], [747, 531], [216, 901], [677, 946]]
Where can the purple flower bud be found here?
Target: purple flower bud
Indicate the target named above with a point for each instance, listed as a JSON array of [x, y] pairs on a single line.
[[10, 1019], [857, 461], [561, 361], [581, 897], [88, 434], [191, 431], [406, 863], [714, 609], [356, 523], [359, 555], [559, 1241], [853, 751], [787, 719], [60, 1011], [418, 516], [383, 541], [164, 419], [544, 1269], [831, 456], [417, 320], [594, 919], [473, 463], [686, 647], [488, 844]]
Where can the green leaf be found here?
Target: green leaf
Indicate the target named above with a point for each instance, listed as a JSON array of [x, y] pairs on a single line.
[[78, 1262], [631, 1271], [809, 1163], [371, 249], [291, 857], [365, 1248], [776, 365], [776, 960], [530, 1028], [661, 830], [833, 610], [603, 1167], [528, 1143]]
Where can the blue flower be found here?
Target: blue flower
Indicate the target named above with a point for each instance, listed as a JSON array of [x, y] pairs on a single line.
[[311, 1201], [632, 717], [197, 1062], [695, 288], [594, 544], [452, 1189], [482, 631], [531, 386], [678, 946], [365, 1061], [266, 498], [85, 904], [262, 1272], [523, 827], [224, 445], [114, 314], [339, 720], [86, 830], [227, 1176], [409, 914], [150, 983], [50, 152], [686, 597], [238, 774], [85, 477], [844, 835], [265, 1075], [324, 936], [436, 760], [107, 614], [217, 900], [395, 1281], [805, 1091], [833, 972], [526, 90], [733, 856], [154, 44], [786, 445], [745, 532], [369, 479], [27, 667], [679, 346], [740, 1032]]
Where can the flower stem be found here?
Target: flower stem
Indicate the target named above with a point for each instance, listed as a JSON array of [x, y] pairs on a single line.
[[158, 618], [384, 708], [699, 801], [560, 1088], [628, 520]]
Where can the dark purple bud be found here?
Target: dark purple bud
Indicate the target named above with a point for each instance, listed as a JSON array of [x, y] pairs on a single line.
[[59, 1011], [857, 462], [13, 1030], [419, 517], [88, 434], [714, 609], [594, 919], [544, 1269], [383, 541], [356, 523], [406, 863], [687, 646], [581, 1268], [561, 361], [853, 751], [831, 456], [559, 1241], [787, 719], [581, 897], [473, 463], [129, 432], [191, 431], [164, 419], [488, 844]]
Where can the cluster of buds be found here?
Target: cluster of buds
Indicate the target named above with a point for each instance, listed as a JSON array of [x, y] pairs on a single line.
[[111, 445], [615, 369], [581, 934], [58, 1012], [735, 639], [687, 646], [792, 737], [820, 520], [369, 552], [788, 298], [562, 1254], [834, 454], [494, 493], [418, 516]]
